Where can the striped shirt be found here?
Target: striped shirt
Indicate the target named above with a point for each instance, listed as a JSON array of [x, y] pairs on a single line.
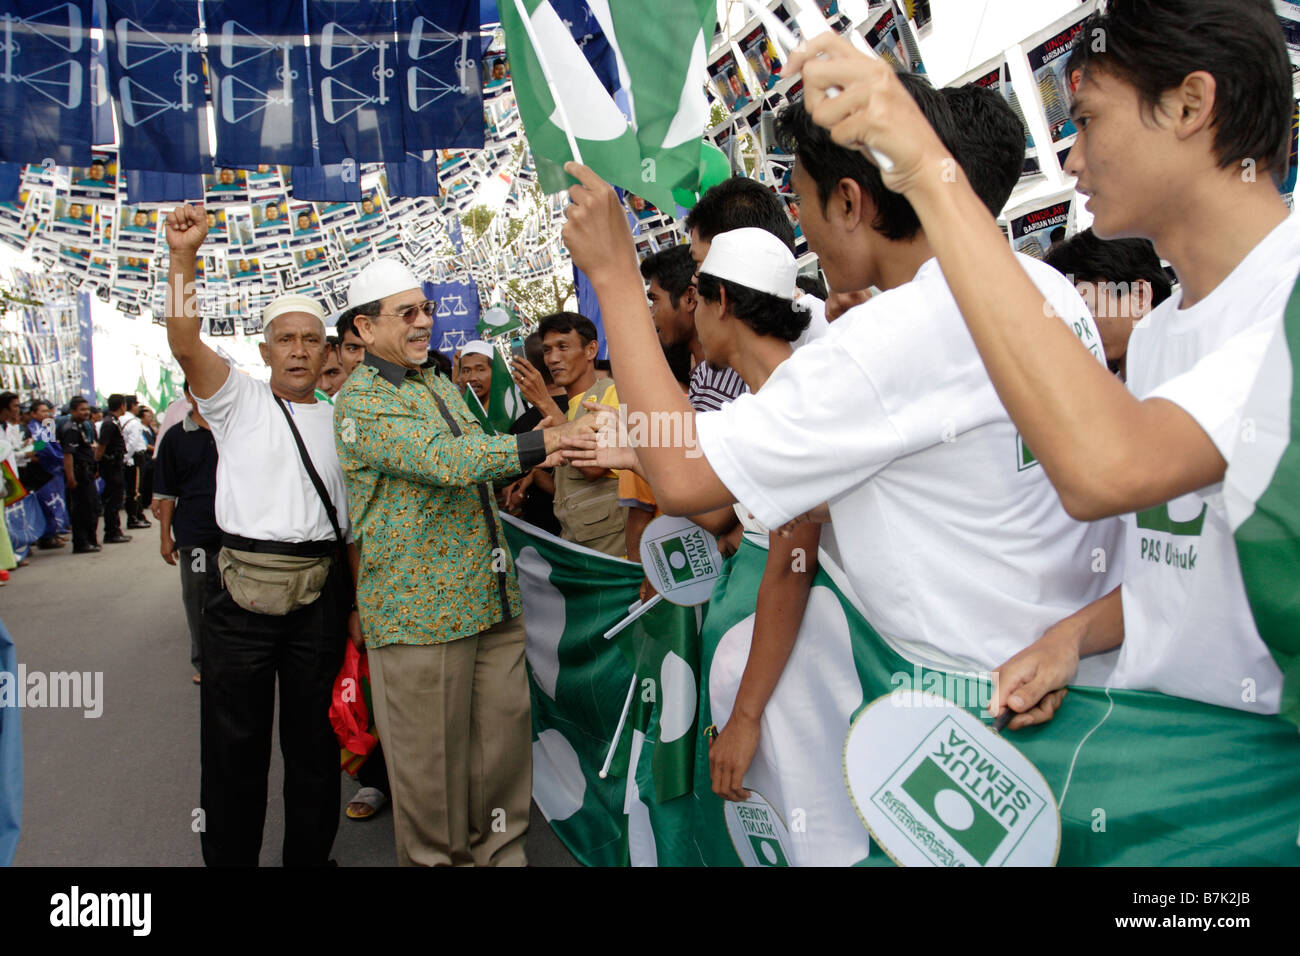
[[712, 388]]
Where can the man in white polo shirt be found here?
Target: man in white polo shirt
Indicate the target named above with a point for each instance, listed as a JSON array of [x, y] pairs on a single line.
[[952, 537], [280, 598]]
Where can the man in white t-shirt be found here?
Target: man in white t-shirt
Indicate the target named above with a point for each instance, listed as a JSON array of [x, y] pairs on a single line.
[[951, 535], [276, 523], [1183, 150]]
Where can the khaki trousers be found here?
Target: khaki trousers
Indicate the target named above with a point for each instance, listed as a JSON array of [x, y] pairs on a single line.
[[456, 724]]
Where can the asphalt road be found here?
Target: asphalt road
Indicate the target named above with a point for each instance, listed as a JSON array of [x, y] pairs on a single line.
[[121, 789]]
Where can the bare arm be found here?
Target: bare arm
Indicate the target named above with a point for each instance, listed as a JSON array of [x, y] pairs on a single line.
[[68, 478], [1105, 451], [205, 369], [1033, 682], [782, 598], [166, 543], [597, 237]]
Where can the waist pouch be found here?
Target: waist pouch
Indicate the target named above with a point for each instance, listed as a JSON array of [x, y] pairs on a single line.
[[273, 584]]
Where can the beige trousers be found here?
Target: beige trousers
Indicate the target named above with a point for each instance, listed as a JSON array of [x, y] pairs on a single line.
[[456, 725]]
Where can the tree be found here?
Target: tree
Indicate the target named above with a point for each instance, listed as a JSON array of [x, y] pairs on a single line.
[[536, 298], [477, 220]]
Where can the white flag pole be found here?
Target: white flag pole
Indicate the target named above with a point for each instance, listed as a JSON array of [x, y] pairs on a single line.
[[637, 610], [550, 81], [618, 731], [640, 609]]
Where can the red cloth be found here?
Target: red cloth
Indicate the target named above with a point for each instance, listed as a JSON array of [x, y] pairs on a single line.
[[349, 713]]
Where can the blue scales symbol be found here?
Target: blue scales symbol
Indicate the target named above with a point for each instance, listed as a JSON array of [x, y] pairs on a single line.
[[340, 45], [136, 46], [428, 39], [60, 25], [452, 340], [445, 306], [240, 45]]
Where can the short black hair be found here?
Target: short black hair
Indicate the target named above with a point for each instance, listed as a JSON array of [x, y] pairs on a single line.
[[673, 267], [131, 401], [812, 285], [739, 203], [1086, 258], [348, 320], [1153, 45], [76, 400], [827, 163], [116, 401], [990, 146], [977, 126], [7, 399], [763, 312], [37, 403], [568, 322]]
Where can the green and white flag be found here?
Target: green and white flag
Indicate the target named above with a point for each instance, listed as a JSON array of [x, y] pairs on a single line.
[[496, 320], [642, 811], [1262, 498], [505, 403], [1141, 779], [660, 53]]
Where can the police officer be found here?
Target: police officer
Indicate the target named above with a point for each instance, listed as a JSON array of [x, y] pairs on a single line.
[[112, 463], [79, 455]]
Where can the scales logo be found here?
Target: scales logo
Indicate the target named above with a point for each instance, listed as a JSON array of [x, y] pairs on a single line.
[[683, 558], [958, 803]]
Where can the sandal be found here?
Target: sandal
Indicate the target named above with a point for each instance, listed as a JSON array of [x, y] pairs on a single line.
[[366, 803]]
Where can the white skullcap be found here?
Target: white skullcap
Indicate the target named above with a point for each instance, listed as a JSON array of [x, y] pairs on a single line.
[[284, 304], [753, 258], [477, 347], [383, 277]]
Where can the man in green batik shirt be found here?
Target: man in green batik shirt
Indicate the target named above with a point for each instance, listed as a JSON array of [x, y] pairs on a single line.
[[437, 595]]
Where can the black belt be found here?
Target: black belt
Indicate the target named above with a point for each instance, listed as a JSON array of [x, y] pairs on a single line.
[[302, 549]]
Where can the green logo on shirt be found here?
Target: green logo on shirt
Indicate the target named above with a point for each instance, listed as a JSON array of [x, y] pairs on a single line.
[[1157, 519], [1024, 457]]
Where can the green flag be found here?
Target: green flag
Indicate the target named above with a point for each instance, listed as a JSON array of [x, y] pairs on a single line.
[[505, 403], [1141, 779], [661, 59], [641, 811], [478, 411], [1262, 495], [497, 319]]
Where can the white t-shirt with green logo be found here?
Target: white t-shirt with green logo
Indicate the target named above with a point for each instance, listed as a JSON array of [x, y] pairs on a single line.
[[951, 535], [1188, 629]]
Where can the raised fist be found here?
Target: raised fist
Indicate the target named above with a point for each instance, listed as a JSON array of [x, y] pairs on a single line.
[[186, 228]]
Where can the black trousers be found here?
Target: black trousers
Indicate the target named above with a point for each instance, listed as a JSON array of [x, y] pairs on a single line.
[[243, 653], [130, 478], [83, 508], [114, 489]]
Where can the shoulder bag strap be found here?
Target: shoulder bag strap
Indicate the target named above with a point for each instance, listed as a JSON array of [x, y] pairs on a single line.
[[311, 472]]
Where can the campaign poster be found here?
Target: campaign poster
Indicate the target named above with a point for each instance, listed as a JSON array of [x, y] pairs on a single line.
[[1048, 53], [1036, 229]]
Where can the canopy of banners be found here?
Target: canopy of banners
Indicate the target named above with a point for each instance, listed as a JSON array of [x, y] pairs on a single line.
[[322, 134]]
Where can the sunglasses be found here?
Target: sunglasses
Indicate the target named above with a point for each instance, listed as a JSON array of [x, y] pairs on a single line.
[[409, 312]]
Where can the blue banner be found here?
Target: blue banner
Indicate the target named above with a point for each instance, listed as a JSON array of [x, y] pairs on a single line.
[[156, 75], [417, 176], [11, 174], [260, 94], [442, 101], [339, 182], [149, 186], [45, 82], [102, 131], [456, 319], [590, 307], [11, 756], [355, 70]]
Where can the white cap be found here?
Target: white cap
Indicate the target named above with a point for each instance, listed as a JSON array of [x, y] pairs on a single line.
[[477, 347], [383, 277], [753, 258], [284, 304]]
